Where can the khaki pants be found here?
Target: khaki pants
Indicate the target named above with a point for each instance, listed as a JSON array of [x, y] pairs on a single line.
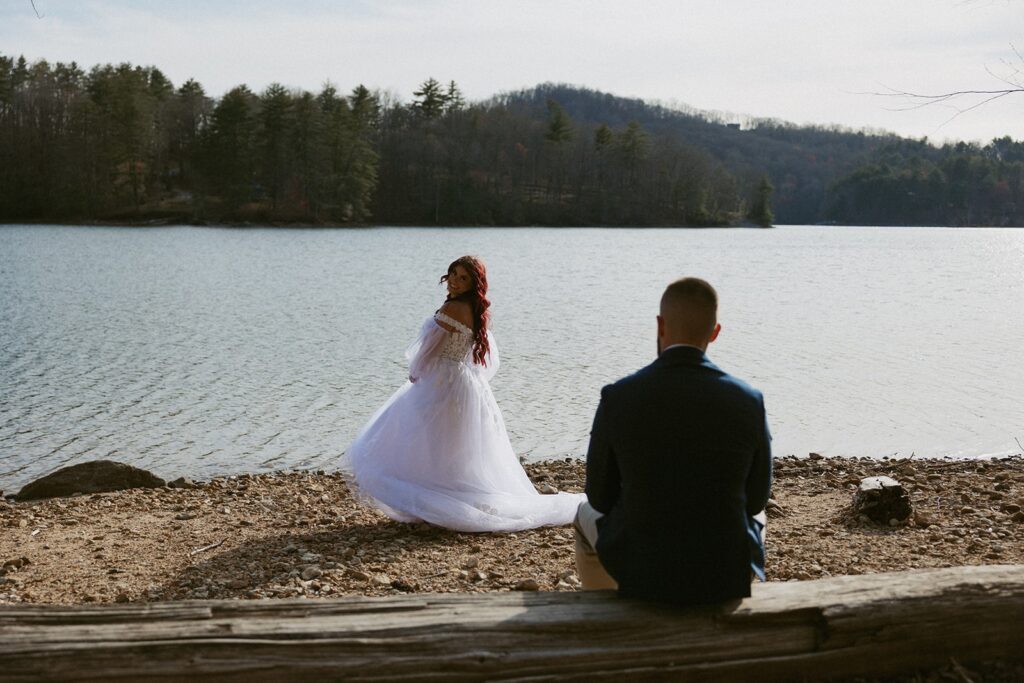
[[592, 574], [588, 565]]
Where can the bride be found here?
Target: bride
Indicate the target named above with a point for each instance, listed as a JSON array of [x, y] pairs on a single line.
[[437, 450]]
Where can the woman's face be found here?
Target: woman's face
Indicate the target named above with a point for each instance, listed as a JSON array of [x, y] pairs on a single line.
[[459, 281]]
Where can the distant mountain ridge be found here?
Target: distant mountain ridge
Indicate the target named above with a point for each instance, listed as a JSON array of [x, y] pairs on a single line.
[[826, 174], [801, 161]]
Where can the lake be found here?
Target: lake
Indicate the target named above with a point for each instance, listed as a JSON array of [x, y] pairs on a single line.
[[204, 351]]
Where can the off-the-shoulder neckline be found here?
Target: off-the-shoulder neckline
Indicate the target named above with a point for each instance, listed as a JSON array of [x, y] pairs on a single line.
[[453, 322]]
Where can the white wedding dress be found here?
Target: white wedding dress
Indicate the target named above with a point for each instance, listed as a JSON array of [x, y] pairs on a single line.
[[437, 450]]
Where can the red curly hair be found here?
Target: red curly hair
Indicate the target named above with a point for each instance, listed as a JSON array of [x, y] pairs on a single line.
[[476, 297]]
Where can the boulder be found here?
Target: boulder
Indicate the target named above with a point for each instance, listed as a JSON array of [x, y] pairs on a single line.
[[882, 500], [96, 476]]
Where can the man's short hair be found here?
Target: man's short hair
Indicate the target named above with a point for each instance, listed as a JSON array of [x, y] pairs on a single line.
[[690, 308]]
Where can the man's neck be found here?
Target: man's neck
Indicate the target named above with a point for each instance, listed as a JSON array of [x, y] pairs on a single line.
[[702, 349]]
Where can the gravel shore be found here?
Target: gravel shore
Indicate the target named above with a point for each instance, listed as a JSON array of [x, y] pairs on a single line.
[[302, 534]]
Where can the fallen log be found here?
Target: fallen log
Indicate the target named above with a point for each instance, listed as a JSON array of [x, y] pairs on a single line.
[[844, 626]]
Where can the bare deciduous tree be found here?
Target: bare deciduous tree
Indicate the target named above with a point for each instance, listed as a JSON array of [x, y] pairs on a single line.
[[964, 101]]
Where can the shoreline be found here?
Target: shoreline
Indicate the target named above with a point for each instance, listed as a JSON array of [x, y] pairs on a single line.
[[307, 225], [302, 534], [9, 490], [180, 222]]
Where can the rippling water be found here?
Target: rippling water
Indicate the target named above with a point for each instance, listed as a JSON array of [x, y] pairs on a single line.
[[206, 351]]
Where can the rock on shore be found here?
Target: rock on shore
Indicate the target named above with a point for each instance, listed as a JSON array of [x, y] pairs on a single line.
[[97, 476]]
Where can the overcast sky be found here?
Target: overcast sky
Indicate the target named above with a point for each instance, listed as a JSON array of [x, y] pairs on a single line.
[[805, 61]]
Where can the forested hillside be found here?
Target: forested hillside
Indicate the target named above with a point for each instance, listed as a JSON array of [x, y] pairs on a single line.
[[909, 182], [122, 143], [801, 162]]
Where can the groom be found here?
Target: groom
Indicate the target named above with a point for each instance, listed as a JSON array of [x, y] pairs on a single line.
[[679, 464]]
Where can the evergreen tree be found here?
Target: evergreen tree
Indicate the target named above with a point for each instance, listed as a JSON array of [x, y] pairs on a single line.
[[453, 100], [365, 107], [361, 160], [557, 139], [559, 129], [603, 145], [430, 99], [309, 157], [189, 117], [761, 209], [124, 114], [228, 147], [632, 147], [273, 134]]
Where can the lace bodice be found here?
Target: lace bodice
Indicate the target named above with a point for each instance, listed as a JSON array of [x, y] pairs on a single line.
[[457, 344]]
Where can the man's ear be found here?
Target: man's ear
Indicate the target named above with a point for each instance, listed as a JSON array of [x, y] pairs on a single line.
[[661, 326], [714, 332]]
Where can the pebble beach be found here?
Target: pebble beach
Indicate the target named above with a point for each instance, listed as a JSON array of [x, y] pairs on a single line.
[[291, 534]]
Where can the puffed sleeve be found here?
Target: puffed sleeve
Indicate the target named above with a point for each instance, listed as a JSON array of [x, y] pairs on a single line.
[[423, 353]]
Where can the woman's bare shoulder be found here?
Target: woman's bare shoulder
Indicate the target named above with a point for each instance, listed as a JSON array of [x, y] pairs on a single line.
[[458, 310]]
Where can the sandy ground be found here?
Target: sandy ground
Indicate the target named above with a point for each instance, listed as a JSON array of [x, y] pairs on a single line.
[[302, 533]]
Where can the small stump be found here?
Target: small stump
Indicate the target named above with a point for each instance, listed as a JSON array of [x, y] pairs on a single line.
[[882, 500]]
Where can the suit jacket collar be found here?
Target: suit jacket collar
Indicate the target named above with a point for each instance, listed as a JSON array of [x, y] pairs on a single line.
[[683, 355]]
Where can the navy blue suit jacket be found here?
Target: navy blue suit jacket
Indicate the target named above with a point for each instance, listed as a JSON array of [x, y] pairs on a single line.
[[679, 462]]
